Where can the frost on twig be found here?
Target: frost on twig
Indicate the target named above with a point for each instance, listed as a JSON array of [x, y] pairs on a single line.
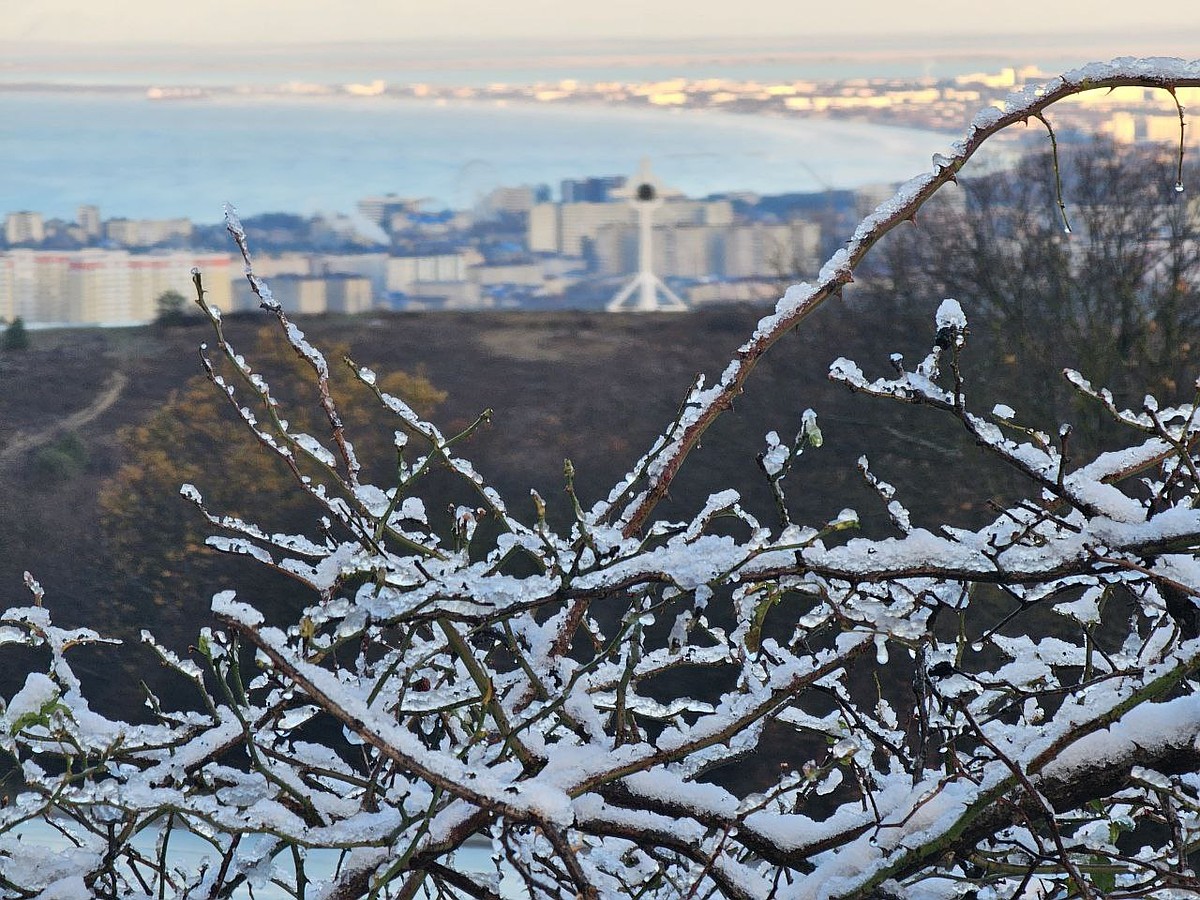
[[575, 698]]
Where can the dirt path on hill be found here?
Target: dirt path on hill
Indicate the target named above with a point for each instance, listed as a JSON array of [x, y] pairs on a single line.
[[24, 441]]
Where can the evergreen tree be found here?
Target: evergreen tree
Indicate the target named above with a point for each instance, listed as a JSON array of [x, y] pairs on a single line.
[[16, 336], [170, 308]]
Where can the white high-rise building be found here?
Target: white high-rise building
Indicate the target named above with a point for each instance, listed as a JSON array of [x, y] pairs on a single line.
[[39, 284], [24, 228], [98, 288], [565, 228], [104, 287], [756, 249], [90, 224], [8, 300], [153, 274]]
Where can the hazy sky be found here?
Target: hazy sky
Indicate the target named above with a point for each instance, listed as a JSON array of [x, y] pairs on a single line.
[[269, 21]]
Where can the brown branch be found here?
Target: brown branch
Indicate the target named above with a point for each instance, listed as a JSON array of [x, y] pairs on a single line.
[[406, 762], [836, 276], [1040, 806]]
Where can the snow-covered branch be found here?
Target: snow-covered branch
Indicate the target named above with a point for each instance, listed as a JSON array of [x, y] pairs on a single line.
[[998, 711]]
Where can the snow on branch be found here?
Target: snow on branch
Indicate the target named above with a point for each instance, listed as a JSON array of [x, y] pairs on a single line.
[[801, 300], [584, 701]]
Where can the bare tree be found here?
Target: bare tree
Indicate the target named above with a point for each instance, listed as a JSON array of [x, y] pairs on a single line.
[[572, 696], [1115, 294]]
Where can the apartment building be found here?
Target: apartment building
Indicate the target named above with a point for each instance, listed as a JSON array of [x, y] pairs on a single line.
[[24, 228], [91, 226], [732, 251], [104, 287], [146, 232], [407, 272], [568, 229], [313, 294]]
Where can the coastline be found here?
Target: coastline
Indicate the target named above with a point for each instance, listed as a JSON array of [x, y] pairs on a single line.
[[139, 158]]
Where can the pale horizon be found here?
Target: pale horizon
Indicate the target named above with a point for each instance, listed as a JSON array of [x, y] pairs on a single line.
[[1175, 24]]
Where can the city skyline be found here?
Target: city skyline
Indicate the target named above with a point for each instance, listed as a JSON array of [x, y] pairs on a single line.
[[302, 21]]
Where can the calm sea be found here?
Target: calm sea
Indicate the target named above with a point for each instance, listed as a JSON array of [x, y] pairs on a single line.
[[59, 149], [138, 158]]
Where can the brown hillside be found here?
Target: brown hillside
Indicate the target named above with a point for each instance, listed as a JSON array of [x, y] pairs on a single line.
[[595, 388]]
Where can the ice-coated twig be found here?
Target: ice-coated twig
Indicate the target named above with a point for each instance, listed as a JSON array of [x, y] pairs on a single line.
[[709, 707]]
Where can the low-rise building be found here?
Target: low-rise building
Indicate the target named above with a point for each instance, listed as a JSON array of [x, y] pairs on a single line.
[[380, 208], [407, 272], [272, 265], [529, 274], [447, 295], [509, 200], [147, 232], [314, 294], [371, 266], [748, 290]]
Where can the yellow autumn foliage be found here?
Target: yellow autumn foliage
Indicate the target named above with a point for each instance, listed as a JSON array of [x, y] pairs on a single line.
[[156, 537]]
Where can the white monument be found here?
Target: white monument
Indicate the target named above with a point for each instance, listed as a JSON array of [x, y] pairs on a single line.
[[646, 195]]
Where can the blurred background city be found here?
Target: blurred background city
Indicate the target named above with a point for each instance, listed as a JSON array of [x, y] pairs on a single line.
[[452, 194], [490, 166]]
